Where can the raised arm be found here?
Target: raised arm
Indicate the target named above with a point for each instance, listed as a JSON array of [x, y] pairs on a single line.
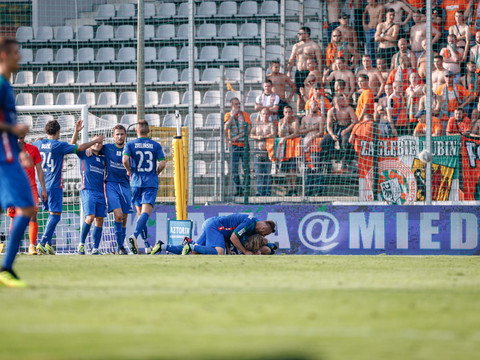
[[78, 128], [96, 140]]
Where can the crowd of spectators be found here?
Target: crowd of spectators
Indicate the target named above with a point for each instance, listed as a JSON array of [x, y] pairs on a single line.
[[373, 71]]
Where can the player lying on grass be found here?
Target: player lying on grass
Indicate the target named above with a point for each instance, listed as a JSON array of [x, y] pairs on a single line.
[[92, 194], [34, 164], [52, 152], [14, 185], [255, 243], [216, 230], [144, 160]]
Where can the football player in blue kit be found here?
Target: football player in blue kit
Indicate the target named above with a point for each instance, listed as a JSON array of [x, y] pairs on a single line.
[[144, 160], [218, 230], [93, 197], [14, 185], [52, 152]]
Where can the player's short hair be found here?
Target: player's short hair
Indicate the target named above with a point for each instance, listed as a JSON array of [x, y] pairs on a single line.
[[268, 81], [234, 99], [142, 127], [52, 127], [254, 242], [306, 29], [119, 127], [271, 223], [6, 43]]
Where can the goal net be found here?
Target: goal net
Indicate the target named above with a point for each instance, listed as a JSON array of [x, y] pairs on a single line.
[[67, 233]]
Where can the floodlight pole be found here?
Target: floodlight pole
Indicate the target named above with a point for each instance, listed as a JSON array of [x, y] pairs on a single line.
[[428, 104], [140, 62]]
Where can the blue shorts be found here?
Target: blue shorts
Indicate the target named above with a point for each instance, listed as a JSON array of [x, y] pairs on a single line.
[[118, 197], [211, 236], [14, 186], [143, 196], [55, 200], [93, 203]]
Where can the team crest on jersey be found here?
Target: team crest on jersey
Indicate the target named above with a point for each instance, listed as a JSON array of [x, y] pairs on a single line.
[[396, 183]]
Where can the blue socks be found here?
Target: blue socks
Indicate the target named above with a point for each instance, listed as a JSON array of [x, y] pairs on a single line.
[[118, 234], [84, 233], [124, 234], [145, 232], [50, 228], [141, 223], [18, 229], [175, 249], [204, 250], [97, 236]]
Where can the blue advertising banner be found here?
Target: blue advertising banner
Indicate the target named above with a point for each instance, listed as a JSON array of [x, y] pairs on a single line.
[[352, 230]]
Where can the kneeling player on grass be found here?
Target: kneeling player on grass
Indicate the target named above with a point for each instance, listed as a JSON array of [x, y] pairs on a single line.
[[216, 230], [93, 197], [140, 158], [52, 152]]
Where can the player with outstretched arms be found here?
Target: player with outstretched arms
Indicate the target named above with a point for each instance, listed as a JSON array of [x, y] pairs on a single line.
[[52, 152], [14, 185], [144, 160], [94, 205]]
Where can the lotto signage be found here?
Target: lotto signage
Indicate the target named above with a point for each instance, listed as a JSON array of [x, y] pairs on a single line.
[[354, 230]]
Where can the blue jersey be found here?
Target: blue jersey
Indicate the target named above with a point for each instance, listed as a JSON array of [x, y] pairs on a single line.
[[144, 154], [9, 149], [239, 224], [93, 171], [52, 152], [115, 172]]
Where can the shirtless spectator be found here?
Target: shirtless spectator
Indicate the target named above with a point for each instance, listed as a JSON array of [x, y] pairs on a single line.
[[279, 82], [418, 33], [268, 99], [462, 32], [469, 80], [435, 105], [383, 101], [422, 61], [452, 56], [365, 102], [475, 51], [334, 8], [386, 35], [374, 12], [339, 48], [396, 111], [382, 67], [421, 127], [312, 127], [303, 50], [403, 50], [314, 76], [400, 9], [349, 35], [438, 73], [339, 88], [340, 121], [476, 121], [323, 103], [342, 73], [451, 7], [261, 130], [287, 129], [459, 123], [413, 94], [401, 73]]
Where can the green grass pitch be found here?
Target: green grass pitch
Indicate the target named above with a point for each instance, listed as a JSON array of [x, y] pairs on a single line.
[[240, 307]]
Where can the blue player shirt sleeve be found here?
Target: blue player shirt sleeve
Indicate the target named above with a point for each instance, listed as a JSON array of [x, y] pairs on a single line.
[[67, 148], [81, 154], [246, 228], [160, 154], [127, 151]]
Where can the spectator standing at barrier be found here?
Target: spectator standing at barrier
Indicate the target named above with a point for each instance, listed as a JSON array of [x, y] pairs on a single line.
[[288, 129], [413, 94], [452, 96], [279, 84], [365, 102], [382, 67], [418, 33], [451, 7], [396, 111], [462, 32], [452, 56], [375, 79], [400, 8], [322, 102], [386, 36], [476, 121], [341, 73], [374, 11], [313, 77], [438, 73], [333, 11], [236, 125], [422, 61], [401, 73], [459, 123], [339, 88], [339, 48], [303, 50], [312, 127], [340, 121], [383, 101], [268, 99], [261, 130], [475, 51], [421, 127], [349, 35], [403, 50], [436, 105]]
